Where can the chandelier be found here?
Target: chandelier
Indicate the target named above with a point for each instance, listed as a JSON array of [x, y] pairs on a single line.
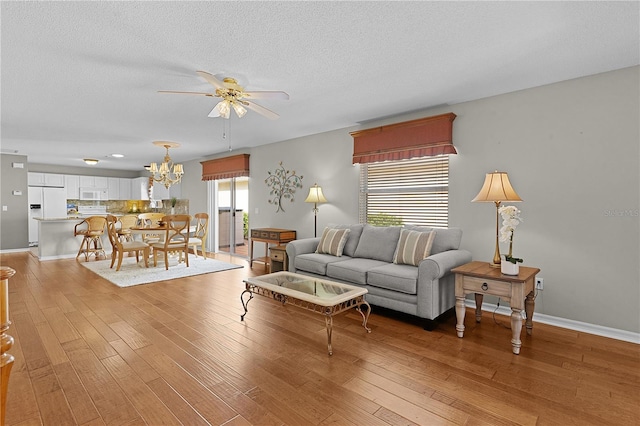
[[168, 173]]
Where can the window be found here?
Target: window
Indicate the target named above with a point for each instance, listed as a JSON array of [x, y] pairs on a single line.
[[405, 192]]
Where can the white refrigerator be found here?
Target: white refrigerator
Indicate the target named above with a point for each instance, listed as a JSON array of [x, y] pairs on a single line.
[[47, 203]]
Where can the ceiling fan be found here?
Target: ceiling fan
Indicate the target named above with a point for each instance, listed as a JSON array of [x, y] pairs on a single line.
[[235, 97]]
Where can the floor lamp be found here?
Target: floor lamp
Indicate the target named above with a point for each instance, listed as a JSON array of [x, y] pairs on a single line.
[[315, 196], [496, 188]]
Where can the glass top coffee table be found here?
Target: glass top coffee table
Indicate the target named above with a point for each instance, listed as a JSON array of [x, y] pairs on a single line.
[[317, 295]]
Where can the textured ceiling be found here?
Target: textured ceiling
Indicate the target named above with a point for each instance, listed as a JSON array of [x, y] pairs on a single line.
[[80, 79]]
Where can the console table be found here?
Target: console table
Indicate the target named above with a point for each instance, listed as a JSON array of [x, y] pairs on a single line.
[[268, 236], [481, 278]]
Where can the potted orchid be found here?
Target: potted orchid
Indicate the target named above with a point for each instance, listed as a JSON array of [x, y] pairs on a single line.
[[510, 220]]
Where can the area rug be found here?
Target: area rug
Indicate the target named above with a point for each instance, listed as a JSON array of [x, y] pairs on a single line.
[[132, 273]]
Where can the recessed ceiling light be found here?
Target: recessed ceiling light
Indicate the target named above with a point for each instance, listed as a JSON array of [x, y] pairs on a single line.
[[117, 155], [91, 161]]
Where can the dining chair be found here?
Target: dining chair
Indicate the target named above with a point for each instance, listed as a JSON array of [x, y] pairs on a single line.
[[176, 239], [120, 247], [199, 236], [150, 220], [127, 222], [91, 229]]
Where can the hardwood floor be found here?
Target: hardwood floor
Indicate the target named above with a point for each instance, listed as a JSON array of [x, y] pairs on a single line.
[[90, 353]]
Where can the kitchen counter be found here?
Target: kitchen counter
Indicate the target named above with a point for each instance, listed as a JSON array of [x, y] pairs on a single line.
[[56, 239]]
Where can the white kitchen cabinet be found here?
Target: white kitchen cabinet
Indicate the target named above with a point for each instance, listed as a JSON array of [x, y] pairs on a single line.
[[140, 188], [87, 182], [51, 179], [101, 182], [45, 179], [113, 186], [35, 179], [125, 188], [94, 182], [72, 184]]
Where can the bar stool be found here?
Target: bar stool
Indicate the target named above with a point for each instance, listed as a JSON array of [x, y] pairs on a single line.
[[91, 236]]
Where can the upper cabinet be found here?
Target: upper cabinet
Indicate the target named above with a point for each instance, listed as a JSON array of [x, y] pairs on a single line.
[[140, 188], [125, 188], [113, 185], [72, 183], [94, 182], [45, 179]]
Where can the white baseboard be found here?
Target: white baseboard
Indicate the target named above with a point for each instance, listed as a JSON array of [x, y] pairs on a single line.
[[598, 330], [14, 250]]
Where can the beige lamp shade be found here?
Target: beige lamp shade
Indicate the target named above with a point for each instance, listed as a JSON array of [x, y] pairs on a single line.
[[496, 187], [315, 195]]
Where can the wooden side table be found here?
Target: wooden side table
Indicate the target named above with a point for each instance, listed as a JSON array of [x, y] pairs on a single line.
[[481, 278], [268, 236], [278, 261]]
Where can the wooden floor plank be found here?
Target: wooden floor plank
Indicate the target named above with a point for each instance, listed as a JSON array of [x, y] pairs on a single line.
[[91, 353]]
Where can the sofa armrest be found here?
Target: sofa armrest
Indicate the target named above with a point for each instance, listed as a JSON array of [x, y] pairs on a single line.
[[298, 247], [438, 265]]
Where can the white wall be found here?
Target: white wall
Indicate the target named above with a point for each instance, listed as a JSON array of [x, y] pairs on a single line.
[[572, 153]]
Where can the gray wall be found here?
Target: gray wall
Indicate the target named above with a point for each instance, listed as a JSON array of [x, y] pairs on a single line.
[[14, 223], [572, 152]]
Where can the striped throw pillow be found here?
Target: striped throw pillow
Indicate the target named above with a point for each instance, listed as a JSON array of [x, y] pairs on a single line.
[[333, 241], [413, 246]]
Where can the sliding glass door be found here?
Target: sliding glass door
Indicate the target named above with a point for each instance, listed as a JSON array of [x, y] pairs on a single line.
[[232, 214]]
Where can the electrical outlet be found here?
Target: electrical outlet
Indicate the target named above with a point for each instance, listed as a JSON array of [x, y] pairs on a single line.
[[539, 283]]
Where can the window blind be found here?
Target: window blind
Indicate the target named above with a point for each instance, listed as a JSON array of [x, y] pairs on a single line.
[[407, 192]]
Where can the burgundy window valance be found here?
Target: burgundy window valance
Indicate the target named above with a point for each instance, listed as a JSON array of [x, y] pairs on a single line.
[[416, 138], [225, 168]]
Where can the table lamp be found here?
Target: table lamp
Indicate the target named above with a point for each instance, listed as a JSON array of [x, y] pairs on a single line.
[[496, 188], [315, 196]]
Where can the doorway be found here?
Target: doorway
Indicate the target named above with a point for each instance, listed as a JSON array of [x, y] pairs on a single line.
[[233, 215]]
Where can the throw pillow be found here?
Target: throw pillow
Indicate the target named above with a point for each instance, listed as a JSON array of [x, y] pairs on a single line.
[[333, 241], [413, 246], [378, 242]]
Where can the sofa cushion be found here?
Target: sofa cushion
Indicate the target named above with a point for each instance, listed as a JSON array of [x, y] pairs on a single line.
[[445, 239], [402, 278], [352, 239], [413, 246], [333, 241], [316, 263], [353, 270], [378, 243]]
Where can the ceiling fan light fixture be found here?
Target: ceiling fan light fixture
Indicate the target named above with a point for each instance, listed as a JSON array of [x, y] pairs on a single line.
[[239, 109], [224, 108]]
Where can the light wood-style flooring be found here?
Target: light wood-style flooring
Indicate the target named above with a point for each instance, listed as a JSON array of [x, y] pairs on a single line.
[[90, 353]]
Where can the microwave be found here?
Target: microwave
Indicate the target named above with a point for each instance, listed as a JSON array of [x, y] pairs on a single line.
[[94, 194]]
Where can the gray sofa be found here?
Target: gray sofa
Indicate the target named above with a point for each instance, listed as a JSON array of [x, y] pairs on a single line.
[[426, 291]]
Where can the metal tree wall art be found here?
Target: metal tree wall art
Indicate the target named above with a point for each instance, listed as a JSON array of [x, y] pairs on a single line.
[[283, 184]]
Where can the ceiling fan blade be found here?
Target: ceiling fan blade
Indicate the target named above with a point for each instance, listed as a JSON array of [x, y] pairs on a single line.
[[260, 110], [187, 93], [211, 79], [267, 94]]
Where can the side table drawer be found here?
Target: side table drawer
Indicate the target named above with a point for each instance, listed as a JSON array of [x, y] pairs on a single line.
[[495, 288], [277, 255]]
